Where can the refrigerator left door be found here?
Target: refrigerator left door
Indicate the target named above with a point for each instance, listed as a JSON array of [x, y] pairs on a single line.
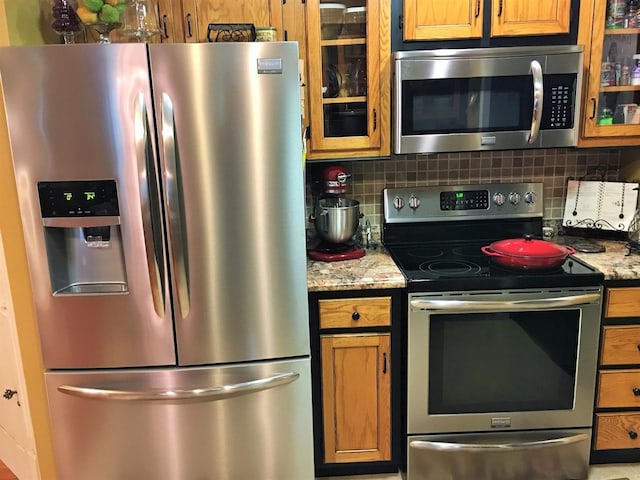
[[241, 422], [81, 133]]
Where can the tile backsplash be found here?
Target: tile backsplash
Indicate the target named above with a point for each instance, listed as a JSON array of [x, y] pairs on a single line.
[[552, 167]]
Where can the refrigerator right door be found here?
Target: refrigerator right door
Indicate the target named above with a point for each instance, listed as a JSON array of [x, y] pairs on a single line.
[[230, 148], [243, 422]]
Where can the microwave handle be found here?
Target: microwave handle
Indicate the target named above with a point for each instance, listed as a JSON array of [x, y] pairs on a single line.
[[538, 97]]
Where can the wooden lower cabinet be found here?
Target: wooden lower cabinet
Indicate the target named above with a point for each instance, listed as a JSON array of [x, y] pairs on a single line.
[[355, 360], [356, 397], [617, 431], [616, 434]]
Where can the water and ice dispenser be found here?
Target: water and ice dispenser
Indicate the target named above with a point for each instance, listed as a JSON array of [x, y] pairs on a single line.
[[82, 236]]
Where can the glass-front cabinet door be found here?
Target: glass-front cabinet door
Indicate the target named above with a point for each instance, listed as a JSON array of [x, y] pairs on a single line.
[[344, 75], [611, 107]]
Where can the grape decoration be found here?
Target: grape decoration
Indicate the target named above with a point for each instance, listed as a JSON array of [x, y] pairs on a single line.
[[66, 21]]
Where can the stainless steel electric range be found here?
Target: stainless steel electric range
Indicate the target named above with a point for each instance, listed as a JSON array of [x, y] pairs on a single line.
[[501, 363]]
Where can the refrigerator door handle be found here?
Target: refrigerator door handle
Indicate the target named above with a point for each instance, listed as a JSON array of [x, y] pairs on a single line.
[[146, 175], [175, 205], [211, 393]]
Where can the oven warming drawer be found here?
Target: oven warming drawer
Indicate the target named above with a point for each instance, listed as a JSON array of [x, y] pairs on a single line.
[[540, 455]]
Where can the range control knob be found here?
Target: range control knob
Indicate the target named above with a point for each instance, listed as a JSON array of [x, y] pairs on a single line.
[[414, 202], [499, 198], [530, 197], [398, 202], [514, 198]]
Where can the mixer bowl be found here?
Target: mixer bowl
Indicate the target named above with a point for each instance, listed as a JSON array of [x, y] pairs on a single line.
[[337, 219]]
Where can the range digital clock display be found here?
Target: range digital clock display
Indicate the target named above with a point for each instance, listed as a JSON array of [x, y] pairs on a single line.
[[464, 200]]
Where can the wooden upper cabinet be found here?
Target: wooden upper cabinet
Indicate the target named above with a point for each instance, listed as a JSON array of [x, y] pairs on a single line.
[[169, 16], [463, 19], [198, 14], [348, 78], [442, 20], [523, 17], [606, 120]]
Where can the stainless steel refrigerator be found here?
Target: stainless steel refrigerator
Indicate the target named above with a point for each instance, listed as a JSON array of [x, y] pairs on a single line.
[[161, 194]]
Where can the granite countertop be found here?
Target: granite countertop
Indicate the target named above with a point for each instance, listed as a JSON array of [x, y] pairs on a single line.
[[613, 262], [375, 270]]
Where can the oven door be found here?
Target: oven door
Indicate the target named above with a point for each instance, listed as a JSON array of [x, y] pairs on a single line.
[[502, 360]]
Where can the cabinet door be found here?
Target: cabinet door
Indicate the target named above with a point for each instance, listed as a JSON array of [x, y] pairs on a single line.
[[170, 18], [198, 14], [622, 302], [442, 20], [523, 17], [349, 79], [617, 431], [612, 94], [356, 402], [16, 433]]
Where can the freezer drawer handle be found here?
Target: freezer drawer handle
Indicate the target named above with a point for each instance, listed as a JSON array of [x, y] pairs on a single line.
[[193, 395], [500, 447]]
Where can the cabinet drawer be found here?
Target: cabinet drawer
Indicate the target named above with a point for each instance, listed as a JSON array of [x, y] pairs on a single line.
[[355, 312], [620, 345], [617, 430], [623, 302], [619, 389]]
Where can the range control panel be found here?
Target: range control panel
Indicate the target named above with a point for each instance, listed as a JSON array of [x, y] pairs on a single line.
[[456, 202]]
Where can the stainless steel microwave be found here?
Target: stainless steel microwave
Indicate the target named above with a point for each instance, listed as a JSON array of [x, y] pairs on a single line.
[[486, 98]]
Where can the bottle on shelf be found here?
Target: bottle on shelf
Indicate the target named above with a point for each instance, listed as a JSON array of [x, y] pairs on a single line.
[[635, 71]]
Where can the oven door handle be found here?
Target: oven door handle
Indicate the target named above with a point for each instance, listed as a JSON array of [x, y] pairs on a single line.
[[499, 447], [505, 305]]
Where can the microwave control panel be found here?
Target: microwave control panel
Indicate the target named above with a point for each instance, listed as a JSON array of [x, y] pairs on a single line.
[[558, 101]]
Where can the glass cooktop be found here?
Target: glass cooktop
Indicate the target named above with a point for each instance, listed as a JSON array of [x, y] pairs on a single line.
[[464, 267]]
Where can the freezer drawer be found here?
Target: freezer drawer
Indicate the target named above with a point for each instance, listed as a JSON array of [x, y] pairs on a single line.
[[250, 421]]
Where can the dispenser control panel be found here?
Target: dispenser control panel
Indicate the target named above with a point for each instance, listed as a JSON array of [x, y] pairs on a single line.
[[90, 198]]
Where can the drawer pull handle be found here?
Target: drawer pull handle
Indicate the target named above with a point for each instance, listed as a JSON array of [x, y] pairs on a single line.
[[633, 435], [356, 316], [638, 346], [636, 391]]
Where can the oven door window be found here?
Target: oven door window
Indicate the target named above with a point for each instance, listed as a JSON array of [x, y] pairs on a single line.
[[484, 104], [502, 362]]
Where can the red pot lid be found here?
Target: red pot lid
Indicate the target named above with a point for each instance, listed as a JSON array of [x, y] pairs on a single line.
[[530, 247]]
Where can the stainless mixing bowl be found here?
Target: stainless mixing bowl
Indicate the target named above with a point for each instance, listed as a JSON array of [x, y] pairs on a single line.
[[337, 219]]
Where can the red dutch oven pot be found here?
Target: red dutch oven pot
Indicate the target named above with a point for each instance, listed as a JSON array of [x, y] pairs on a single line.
[[527, 253]]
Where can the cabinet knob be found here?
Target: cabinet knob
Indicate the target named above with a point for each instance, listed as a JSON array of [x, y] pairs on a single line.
[[8, 394], [356, 316], [633, 435], [636, 391], [638, 347]]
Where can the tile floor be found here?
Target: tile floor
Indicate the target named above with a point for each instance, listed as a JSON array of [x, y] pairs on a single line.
[[598, 472]]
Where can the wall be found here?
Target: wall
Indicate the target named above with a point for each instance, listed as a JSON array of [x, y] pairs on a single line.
[[23, 15], [551, 166], [11, 227]]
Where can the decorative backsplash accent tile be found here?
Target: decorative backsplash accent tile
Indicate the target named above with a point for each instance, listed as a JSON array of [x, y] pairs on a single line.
[[552, 167]]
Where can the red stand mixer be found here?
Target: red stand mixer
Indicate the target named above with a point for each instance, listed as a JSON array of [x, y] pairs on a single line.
[[336, 219]]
